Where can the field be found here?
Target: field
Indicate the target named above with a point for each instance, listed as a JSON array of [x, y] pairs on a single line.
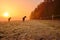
[[30, 30]]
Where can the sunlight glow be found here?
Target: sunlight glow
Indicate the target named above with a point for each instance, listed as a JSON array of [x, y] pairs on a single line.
[[6, 14]]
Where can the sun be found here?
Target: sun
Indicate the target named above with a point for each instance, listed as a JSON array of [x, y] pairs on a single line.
[[6, 14]]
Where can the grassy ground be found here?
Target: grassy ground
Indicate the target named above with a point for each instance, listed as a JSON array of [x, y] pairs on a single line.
[[30, 30]]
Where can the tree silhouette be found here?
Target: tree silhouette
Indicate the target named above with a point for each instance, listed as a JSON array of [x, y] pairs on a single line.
[[46, 9]]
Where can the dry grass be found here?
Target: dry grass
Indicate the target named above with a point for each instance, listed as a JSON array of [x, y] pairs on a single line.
[[30, 30]]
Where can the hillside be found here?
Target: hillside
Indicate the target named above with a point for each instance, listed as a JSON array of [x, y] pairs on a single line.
[[47, 10]]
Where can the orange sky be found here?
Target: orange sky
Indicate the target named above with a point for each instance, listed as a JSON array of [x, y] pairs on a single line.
[[17, 8]]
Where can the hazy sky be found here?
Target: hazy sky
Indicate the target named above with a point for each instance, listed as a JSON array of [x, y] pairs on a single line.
[[17, 8]]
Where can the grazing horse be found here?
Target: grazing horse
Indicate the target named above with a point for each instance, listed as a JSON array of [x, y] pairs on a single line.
[[9, 19], [24, 18]]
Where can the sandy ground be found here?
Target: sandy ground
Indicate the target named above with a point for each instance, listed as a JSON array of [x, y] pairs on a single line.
[[30, 30]]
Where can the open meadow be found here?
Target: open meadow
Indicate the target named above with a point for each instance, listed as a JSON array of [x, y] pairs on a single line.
[[30, 30]]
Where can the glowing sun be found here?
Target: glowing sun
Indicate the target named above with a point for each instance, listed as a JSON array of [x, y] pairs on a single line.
[[6, 14]]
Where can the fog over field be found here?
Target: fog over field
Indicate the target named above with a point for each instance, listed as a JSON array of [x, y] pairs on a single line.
[[30, 30]]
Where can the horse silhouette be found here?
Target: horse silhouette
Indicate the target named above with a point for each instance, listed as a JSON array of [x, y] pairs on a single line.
[[9, 19], [24, 18]]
